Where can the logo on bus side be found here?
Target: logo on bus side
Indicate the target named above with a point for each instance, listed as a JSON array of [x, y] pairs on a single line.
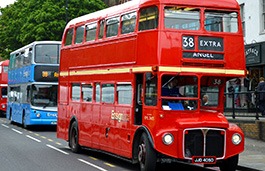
[[149, 117], [119, 116]]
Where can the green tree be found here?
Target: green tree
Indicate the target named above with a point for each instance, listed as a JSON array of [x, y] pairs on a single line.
[[26, 21]]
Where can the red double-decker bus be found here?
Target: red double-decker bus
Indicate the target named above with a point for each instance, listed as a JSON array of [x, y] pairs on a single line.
[[133, 77], [3, 85]]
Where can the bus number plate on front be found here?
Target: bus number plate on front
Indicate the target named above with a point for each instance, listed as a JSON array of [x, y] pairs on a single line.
[[204, 159]]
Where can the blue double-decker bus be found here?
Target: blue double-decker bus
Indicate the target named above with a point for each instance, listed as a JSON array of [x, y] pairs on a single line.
[[33, 83]]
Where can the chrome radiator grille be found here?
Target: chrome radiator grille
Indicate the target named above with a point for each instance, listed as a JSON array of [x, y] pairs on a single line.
[[204, 142]]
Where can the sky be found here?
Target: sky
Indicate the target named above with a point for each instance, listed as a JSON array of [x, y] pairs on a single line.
[[4, 3]]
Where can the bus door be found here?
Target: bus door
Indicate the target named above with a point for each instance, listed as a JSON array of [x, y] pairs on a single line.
[[138, 101]]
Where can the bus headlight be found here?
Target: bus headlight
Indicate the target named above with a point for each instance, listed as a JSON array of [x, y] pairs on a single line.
[[168, 139], [236, 139], [38, 115], [3, 106]]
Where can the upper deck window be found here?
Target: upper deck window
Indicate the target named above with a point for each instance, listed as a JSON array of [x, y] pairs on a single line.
[[148, 18], [112, 27], [101, 29], [91, 30], [182, 18], [79, 34], [69, 37], [128, 22], [219, 21], [18, 60], [27, 57]]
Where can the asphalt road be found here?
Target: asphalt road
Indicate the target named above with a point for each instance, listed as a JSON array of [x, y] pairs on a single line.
[[38, 148]]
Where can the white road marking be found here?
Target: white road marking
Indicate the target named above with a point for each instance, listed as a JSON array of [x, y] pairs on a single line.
[[17, 131], [5, 126], [35, 139], [95, 166], [57, 149]]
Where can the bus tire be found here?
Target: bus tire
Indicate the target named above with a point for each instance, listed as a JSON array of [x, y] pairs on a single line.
[[146, 154], [73, 139], [229, 164]]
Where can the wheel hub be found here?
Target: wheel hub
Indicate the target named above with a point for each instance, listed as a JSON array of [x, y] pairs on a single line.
[[141, 153]]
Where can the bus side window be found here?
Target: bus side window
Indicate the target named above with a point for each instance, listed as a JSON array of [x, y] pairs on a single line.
[[76, 92], [124, 94], [28, 93], [128, 22], [112, 27], [69, 37], [79, 34], [18, 61], [91, 30], [26, 59], [98, 94], [87, 92], [101, 29], [107, 93], [148, 18]]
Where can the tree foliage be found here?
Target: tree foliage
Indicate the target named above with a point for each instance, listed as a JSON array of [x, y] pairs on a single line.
[[26, 21]]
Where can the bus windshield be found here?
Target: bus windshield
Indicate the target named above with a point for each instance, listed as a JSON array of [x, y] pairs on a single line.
[[179, 92], [44, 95], [47, 54], [182, 18]]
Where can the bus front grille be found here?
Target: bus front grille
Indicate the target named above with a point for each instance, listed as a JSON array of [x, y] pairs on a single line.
[[204, 142]]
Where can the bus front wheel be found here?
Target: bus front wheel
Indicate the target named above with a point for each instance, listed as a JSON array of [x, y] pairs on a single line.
[[73, 139], [229, 164], [146, 154]]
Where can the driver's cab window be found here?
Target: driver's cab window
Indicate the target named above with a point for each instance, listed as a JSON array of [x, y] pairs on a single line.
[[210, 91], [179, 92]]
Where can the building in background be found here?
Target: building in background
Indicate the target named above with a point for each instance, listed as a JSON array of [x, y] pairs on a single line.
[[253, 21]]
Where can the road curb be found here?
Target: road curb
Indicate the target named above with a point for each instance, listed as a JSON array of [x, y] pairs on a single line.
[[244, 168]]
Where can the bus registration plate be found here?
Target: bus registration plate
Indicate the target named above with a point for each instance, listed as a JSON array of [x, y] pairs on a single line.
[[204, 159]]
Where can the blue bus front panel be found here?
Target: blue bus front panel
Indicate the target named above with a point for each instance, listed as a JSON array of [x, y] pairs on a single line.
[[17, 112]]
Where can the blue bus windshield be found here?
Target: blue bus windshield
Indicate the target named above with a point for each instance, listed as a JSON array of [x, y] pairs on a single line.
[[47, 54]]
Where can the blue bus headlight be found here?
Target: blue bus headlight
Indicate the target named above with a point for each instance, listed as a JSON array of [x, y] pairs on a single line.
[[168, 139], [38, 115], [236, 139]]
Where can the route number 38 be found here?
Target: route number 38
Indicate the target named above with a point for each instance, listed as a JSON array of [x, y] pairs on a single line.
[[188, 42]]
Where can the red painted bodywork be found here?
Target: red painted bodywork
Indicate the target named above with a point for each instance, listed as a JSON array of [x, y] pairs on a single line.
[[158, 47], [3, 83]]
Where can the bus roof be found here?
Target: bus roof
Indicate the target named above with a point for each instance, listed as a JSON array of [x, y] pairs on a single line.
[[5, 62], [135, 4], [35, 43]]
